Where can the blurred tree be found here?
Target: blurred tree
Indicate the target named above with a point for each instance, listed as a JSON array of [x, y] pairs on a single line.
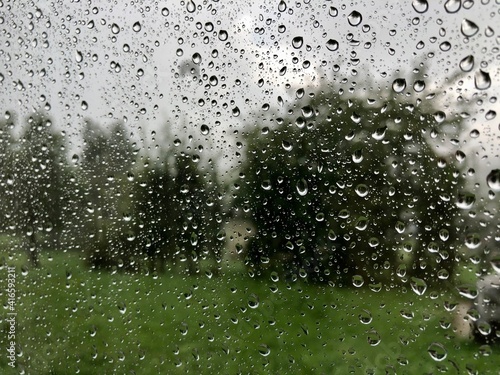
[[37, 185], [349, 186]]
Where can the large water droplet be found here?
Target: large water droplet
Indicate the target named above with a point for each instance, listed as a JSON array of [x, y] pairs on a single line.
[[418, 85], [282, 6], [469, 28], [365, 317], [399, 85], [223, 35], [467, 63], [472, 241], [297, 42], [333, 12], [420, 6], [482, 80], [355, 18], [332, 45], [137, 27], [465, 201], [453, 6], [373, 337], [191, 6], [196, 58], [437, 351], [165, 12], [78, 56], [302, 187], [419, 286], [358, 281], [204, 129], [493, 180], [264, 350]]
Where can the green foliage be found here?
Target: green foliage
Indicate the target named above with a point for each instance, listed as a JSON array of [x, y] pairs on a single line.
[[345, 185]]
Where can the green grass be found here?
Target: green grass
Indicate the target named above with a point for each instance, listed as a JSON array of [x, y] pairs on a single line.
[[73, 320]]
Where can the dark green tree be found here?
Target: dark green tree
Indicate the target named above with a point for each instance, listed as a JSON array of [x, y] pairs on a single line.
[[346, 185]]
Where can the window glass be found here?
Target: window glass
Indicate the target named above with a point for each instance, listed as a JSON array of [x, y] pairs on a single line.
[[265, 187]]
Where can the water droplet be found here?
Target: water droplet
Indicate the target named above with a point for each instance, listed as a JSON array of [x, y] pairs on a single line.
[[165, 12], [445, 46], [418, 85], [437, 351], [465, 201], [302, 187], [365, 317], [373, 337], [282, 6], [467, 63], [452, 6], [361, 190], [196, 58], [264, 350], [420, 6], [469, 28], [472, 241], [122, 308], [357, 156], [358, 281], [399, 85], [253, 301], [493, 180], [355, 18], [136, 27], [297, 42], [236, 111], [191, 6], [482, 80], [489, 32], [332, 45], [333, 12], [400, 227], [115, 29], [223, 35], [213, 80], [379, 134], [439, 116], [78, 56], [419, 286], [204, 129]]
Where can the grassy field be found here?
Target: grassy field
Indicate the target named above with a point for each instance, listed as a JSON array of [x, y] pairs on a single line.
[[72, 320]]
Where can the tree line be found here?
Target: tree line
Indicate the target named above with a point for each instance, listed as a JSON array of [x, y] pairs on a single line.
[[337, 187]]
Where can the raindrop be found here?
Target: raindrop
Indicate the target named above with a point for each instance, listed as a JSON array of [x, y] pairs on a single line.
[[332, 45], [297, 42], [420, 6], [467, 63], [489, 32], [437, 351], [357, 156], [365, 317], [399, 85], [236, 111], [379, 134], [373, 337], [482, 80], [358, 281], [122, 308], [469, 28], [115, 29], [472, 241], [282, 6], [165, 12], [253, 301], [302, 187], [419, 86], [204, 129], [439, 116], [223, 35], [445, 46], [465, 201], [452, 6], [419, 286], [495, 263], [361, 190], [333, 12], [493, 180], [136, 27], [196, 58], [400, 227], [354, 18], [264, 350], [85, 106], [191, 6], [78, 56]]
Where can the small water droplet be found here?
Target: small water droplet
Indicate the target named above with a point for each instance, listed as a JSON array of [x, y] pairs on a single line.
[[223, 35], [264, 350], [379, 134], [196, 58], [358, 281], [78, 56], [204, 129], [469, 28], [361, 190], [282, 6], [420, 6], [136, 27], [465, 201], [437, 351], [302, 187], [355, 18], [493, 180], [84, 105], [373, 337], [297, 42], [399, 85], [365, 317], [472, 241], [332, 45], [418, 86], [236, 111], [165, 12], [482, 80]]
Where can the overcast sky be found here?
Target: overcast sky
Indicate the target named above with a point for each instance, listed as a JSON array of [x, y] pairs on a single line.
[[116, 61]]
